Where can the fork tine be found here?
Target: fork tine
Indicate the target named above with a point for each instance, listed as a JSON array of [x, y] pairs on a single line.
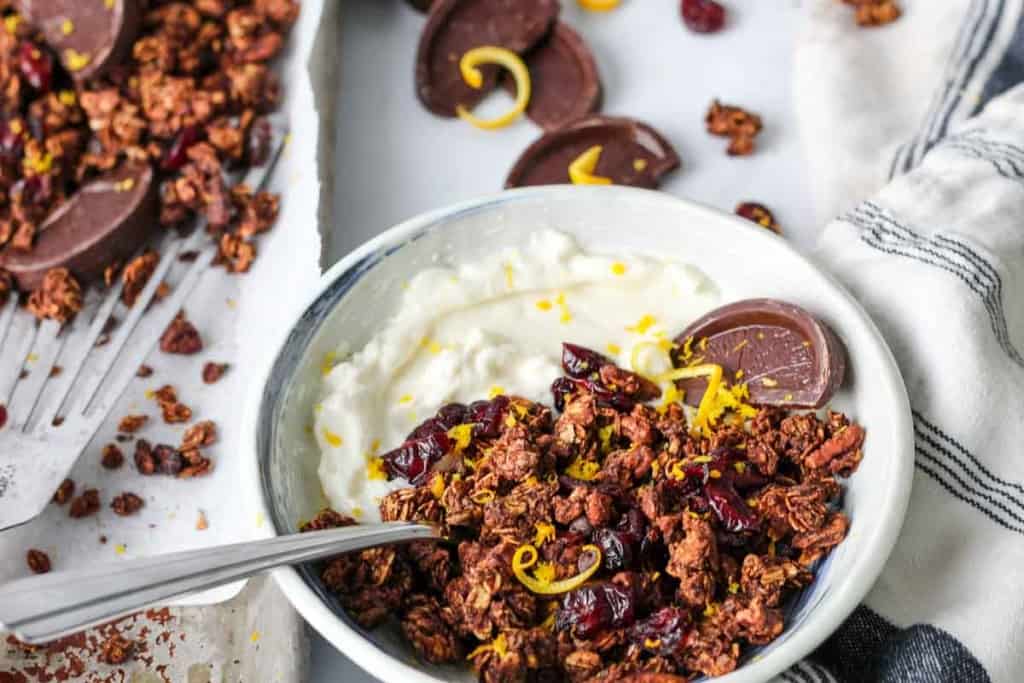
[[19, 340], [111, 353], [81, 341], [160, 317], [47, 346]]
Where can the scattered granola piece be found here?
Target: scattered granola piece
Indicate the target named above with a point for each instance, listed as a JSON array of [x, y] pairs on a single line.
[[202, 524], [116, 650], [195, 464], [135, 276], [181, 337], [735, 123], [38, 561], [871, 13], [168, 459], [59, 296], [173, 410], [112, 457], [56, 370], [144, 371], [212, 372], [200, 434], [145, 461], [130, 424], [64, 492], [85, 505], [126, 504], [759, 213], [235, 253]]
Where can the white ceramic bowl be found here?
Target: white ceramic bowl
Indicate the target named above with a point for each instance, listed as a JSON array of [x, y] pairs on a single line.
[[360, 292]]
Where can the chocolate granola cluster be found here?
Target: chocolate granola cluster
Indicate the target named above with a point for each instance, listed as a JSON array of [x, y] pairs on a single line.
[[613, 538], [189, 100]]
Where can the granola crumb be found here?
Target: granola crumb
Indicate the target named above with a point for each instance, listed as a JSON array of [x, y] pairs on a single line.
[[85, 505], [173, 410], [64, 492], [130, 424], [212, 372], [145, 460], [38, 561], [181, 337], [59, 296], [126, 504], [202, 524], [872, 13], [135, 276], [144, 371], [116, 650], [760, 214], [735, 123], [112, 457], [200, 434]]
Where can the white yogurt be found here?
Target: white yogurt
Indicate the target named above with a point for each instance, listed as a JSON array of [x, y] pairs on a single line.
[[468, 332]]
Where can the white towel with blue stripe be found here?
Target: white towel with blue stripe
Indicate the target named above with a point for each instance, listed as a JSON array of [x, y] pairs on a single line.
[[914, 134]]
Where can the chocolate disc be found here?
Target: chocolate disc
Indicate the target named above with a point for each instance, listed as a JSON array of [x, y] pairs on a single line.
[[787, 356], [89, 35], [564, 78], [632, 153], [106, 221], [421, 5], [456, 26]]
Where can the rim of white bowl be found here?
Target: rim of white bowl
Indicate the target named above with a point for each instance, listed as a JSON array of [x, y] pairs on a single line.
[[825, 617]]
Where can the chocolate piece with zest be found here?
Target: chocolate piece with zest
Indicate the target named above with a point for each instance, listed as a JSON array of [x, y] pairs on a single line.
[[786, 356], [456, 26], [90, 36], [106, 220], [632, 153], [563, 73]]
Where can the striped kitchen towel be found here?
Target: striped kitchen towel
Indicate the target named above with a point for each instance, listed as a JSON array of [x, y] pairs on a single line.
[[914, 133]]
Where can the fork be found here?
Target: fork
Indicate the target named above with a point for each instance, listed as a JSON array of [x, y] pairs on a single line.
[[38, 609], [51, 419]]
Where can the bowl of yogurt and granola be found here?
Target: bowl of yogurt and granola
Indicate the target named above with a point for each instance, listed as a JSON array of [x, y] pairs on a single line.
[[658, 440]]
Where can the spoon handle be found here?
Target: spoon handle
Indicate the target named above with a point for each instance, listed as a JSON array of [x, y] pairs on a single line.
[[41, 608]]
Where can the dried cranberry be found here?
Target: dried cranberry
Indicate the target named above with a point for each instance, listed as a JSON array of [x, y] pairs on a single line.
[[579, 361], [426, 428], [12, 145], [452, 414], [561, 388], [36, 66], [3, 415], [703, 16], [33, 190], [616, 549], [721, 461], [633, 524], [729, 507], [488, 416], [748, 479], [258, 142], [176, 155], [590, 610], [412, 460], [667, 630], [581, 525]]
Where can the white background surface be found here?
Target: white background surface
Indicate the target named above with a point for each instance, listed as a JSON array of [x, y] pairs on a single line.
[[395, 160]]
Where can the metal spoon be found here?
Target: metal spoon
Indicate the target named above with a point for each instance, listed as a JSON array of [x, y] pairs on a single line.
[[39, 609]]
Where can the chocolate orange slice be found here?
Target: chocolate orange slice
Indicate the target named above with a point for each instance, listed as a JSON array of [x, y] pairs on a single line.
[[104, 222], [89, 36], [632, 153], [786, 356], [566, 84], [456, 26]]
